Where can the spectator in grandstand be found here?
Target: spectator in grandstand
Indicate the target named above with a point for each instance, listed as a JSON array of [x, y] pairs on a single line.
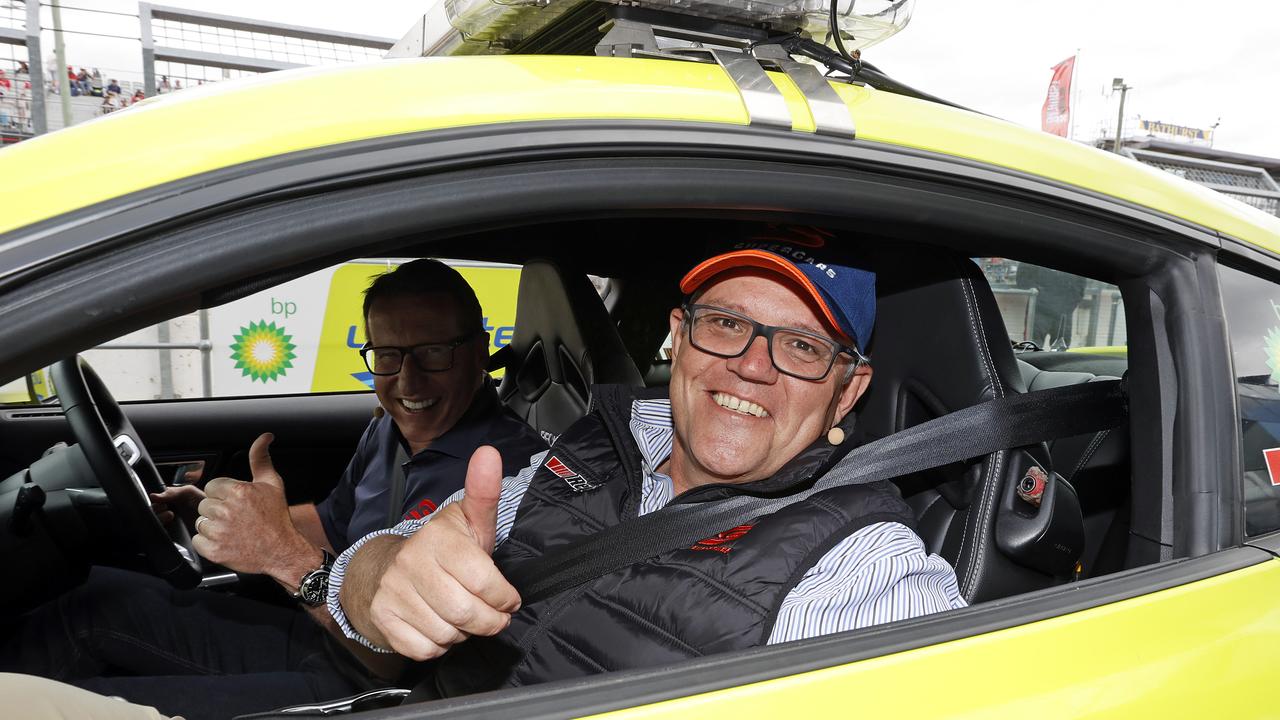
[[114, 87], [177, 85], [164, 84], [23, 68], [95, 84], [138, 96], [22, 103], [109, 103], [6, 109], [5, 83], [82, 82]]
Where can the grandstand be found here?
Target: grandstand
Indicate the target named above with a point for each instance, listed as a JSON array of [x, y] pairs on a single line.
[[179, 48]]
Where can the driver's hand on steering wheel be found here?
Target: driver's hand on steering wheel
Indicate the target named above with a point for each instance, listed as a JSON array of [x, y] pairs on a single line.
[[177, 501]]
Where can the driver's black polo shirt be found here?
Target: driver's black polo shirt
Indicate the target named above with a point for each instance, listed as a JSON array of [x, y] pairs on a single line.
[[360, 503]]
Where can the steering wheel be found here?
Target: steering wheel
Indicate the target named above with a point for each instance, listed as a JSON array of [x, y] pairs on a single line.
[[124, 469]]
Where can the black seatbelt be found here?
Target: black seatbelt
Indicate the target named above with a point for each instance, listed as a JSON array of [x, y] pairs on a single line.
[[395, 507], [1015, 421]]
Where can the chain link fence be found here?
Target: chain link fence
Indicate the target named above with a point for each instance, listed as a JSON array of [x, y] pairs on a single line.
[[186, 48], [1250, 185]]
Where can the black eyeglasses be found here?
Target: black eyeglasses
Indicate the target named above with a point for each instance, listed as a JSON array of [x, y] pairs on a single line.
[[798, 353], [429, 357]]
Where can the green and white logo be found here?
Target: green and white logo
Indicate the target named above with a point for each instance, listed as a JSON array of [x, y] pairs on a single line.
[[1272, 344], [262, 351]]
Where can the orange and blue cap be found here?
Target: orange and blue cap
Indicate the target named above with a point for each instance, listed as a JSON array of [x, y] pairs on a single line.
[[846, 295]]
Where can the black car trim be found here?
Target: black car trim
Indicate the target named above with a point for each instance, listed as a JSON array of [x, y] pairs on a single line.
[[197, 262], [1241, 249], [383, 158], [616, 691], [1269, 542]]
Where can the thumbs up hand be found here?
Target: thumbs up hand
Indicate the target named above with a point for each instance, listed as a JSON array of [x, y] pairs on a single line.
[[483, 488], [260, 462], [246, 527], [440, 586]]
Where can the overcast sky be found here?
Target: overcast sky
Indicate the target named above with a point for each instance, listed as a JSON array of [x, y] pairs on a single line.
[[1189, 63]]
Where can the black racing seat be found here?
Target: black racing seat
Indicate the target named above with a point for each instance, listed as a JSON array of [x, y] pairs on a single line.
[[940, 345], [564, 342]]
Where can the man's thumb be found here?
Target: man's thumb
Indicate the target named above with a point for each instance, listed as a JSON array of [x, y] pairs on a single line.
[[483, 488], [260, 461]]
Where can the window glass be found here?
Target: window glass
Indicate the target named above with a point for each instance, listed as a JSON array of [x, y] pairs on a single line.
[[1056, 310], [15, 391], [1253, 319], [295, 338], [1053, 309]]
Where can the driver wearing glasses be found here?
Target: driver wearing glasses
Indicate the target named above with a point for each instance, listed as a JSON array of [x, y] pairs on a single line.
[[128, 634]]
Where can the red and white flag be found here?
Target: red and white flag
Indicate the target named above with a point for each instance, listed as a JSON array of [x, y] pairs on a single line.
[[1056, 115]]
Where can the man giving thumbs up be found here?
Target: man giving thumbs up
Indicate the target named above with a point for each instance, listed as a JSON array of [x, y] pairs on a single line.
[[128, 634], [446, 587], [767, 362], [238, 518]]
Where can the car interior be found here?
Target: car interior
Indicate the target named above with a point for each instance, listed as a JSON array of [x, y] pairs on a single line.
[[940, 345]]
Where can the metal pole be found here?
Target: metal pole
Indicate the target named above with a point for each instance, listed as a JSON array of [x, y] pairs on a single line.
[[35, 66], [148, 50], [1074, 97], [1111, 325], [60, 56], [1095, 310], [166, 361], [202, 346], [206, 347], [1120, 119]]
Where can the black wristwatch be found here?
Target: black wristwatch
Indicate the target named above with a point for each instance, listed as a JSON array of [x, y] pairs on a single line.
[[314, 588]]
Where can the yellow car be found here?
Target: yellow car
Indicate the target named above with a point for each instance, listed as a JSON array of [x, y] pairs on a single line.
[[629, 168]]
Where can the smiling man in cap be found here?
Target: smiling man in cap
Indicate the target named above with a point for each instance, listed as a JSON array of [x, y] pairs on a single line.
[[767, 362]]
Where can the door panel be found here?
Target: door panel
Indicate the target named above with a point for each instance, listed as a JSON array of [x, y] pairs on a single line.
[[315, 435]]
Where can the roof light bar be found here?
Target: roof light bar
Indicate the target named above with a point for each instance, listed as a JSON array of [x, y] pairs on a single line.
[[494, 27]]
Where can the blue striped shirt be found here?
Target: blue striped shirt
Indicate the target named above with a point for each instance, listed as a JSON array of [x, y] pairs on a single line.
[[878, 574]]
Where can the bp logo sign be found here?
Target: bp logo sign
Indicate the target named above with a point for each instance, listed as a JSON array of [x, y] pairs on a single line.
[[1272, 345], [262, 351]]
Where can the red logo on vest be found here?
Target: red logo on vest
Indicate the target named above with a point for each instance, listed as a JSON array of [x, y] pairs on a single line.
[[425, 508], [576, 481], [720, 541], [555, 465]]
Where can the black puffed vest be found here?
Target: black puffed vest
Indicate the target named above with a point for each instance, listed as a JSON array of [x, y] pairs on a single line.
[[722, 593]]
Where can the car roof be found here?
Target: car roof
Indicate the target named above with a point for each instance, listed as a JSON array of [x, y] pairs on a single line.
[[232, 122]]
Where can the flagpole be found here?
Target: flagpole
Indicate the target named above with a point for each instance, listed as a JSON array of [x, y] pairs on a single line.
[[1075, 98]]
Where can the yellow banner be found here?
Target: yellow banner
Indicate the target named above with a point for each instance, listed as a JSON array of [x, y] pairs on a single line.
[[338, 365], [1179, 131]]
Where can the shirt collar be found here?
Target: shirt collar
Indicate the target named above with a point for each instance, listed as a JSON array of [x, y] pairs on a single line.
[[472, 429], [651, 427]]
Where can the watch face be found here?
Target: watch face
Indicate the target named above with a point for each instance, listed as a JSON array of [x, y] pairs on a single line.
[[315, 587]]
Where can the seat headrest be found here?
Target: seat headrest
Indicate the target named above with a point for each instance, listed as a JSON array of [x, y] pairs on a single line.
[[564, 342], [940, 344]]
